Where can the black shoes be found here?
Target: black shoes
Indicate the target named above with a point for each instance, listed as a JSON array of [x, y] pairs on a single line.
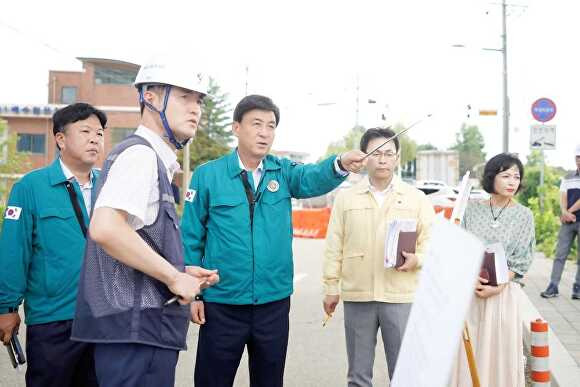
[[552, 292], [576, 292]]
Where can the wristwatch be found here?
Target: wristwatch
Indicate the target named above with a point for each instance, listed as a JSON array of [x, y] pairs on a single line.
[[339, 162]]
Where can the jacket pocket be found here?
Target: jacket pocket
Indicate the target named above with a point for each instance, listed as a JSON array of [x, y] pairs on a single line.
[[226, 201], [277, 206], [63, 244], [171, 244], [355, 275], [174, 325], [229, 212], [228, 228], [55, 214], [358, 226], [276, 198], [173, 217]]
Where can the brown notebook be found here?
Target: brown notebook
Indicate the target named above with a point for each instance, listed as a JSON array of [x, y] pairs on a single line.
[[407, 243], [488, 268]]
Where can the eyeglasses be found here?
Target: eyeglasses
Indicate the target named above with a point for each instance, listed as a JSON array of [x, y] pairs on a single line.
[[389, 155]]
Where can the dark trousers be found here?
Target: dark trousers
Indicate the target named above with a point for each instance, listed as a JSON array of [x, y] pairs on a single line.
[[129, 365], [228, 329], [54, 360], [568, 231]]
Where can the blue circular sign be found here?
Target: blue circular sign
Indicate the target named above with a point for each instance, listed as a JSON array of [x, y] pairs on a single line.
[[544, 109]]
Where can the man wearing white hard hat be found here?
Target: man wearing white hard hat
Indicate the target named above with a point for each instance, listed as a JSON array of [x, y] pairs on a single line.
[[134, 267], [570, 230]]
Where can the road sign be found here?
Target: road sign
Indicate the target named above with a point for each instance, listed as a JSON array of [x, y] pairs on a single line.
[[543, 109], [543, 137]]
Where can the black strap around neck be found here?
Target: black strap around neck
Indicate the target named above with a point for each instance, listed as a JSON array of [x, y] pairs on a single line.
[[75, 203], [249, 195]]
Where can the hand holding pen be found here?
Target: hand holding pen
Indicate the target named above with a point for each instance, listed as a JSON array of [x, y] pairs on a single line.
[[205, 278], [329, 305], [325, 321]]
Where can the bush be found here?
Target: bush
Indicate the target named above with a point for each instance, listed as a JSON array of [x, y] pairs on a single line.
[[547, 222]]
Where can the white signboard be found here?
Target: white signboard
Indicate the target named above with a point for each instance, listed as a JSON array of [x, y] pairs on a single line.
[[446, 286], [543, 137]]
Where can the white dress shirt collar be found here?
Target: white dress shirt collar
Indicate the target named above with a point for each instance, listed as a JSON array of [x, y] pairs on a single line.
[[165, 152]]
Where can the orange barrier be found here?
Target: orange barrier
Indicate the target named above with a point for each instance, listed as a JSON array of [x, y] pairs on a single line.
[[540, 352], [310, 223], [447, 211], [313, 222]]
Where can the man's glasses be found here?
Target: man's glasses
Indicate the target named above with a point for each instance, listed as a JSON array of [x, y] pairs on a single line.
[[388, 155]]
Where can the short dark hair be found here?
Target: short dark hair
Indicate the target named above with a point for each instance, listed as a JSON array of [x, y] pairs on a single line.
[[255, 102], [73, 113], [497, 164], [373, 133]]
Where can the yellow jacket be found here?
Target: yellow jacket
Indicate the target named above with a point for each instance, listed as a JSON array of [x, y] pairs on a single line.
[[355, 243]]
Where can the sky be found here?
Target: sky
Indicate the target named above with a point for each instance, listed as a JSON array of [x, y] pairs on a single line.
[[309, 57]]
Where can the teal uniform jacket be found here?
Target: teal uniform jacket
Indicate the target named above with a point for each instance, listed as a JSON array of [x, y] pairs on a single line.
[[255, 263], [42, 247]]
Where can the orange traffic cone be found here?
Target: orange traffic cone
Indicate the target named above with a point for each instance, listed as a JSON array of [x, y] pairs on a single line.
[[540, 352]]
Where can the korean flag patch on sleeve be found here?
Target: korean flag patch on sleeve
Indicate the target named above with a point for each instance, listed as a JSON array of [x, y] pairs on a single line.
[[190, 195], [12, 213]]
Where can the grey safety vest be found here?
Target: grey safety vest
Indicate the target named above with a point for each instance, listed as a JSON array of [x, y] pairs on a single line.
[[118, 304]]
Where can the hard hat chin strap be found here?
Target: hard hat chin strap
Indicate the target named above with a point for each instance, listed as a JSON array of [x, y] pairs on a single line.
[[168, 131]]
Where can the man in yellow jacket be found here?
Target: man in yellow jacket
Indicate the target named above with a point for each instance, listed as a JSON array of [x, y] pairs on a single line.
[[354, 263]]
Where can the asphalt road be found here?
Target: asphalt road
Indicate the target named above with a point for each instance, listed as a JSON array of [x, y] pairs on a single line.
[[316, 355]]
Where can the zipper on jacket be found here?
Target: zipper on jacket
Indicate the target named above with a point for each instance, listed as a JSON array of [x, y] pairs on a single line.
[[252, 205]]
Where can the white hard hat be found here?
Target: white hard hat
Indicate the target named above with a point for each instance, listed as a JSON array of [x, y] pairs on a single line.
[[172, 71]]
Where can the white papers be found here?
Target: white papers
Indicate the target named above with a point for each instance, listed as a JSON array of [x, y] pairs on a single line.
[[501, 267], [392, 238], [452, 263]]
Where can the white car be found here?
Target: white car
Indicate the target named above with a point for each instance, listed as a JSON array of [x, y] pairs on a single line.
[[431, 186], [446, 196]]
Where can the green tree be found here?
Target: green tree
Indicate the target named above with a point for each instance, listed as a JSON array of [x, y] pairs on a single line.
[[426, 147], [408, 147], [350, 141], [204, 149], [11, 163], [469, 143], [214, 136], [531, 184], [216, 118], [547, 222]]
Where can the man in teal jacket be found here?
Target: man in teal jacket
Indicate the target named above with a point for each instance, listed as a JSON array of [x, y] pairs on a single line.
[[238, 219], [41, 251]]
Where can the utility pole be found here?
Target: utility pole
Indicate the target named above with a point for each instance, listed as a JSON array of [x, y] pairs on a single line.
[[357, 100], [246, 90], [506, 102], [542, 172], [186, 173]]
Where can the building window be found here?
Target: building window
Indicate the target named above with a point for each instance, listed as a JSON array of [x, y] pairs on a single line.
[[31, 143], [104, 75], [68, 95], [119, 134]]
